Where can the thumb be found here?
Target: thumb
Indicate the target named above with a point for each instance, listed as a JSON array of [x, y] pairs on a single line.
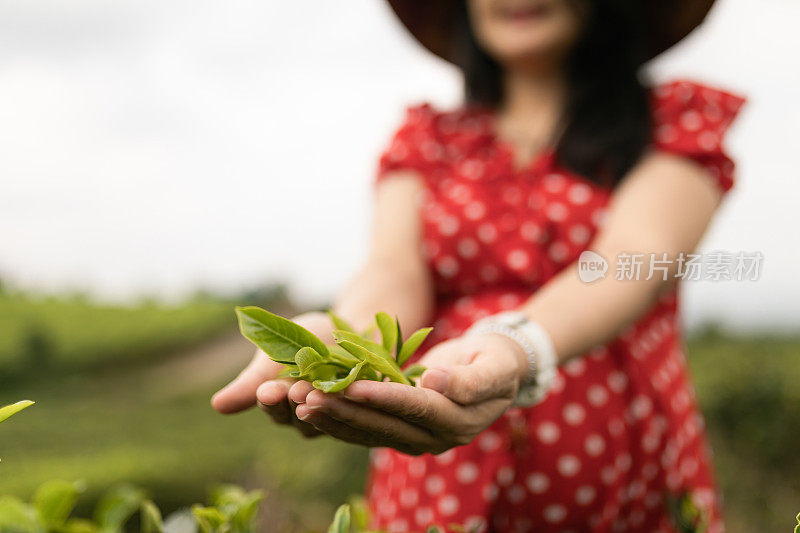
[[240, 394], [475, 382]]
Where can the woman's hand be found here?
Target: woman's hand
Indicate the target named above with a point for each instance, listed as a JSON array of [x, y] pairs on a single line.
[[469, 384], [259, 384]]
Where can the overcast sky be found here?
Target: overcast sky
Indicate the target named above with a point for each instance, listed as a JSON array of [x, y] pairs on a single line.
[[157, 146]]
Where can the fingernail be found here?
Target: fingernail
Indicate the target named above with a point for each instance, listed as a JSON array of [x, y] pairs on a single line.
[[354, 398], [304, 417], [435, 379]]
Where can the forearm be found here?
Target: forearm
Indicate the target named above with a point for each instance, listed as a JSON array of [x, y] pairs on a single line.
[[399, 288]]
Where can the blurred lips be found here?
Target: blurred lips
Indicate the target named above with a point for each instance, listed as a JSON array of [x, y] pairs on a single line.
[[523, 13]]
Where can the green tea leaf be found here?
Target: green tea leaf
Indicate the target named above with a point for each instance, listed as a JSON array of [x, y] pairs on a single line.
[[388, 331], [342, 356], [278, 337], [411, 345], [337, 385], [341, 520], [54, 501], [79, 525], [414, 372], [150, 518], [399, 346], [117, 506], [434, 529], [339, 322], [387, 368], [10, 410], [208, 518], [18, 516], [306, 357], [340, 335], [359, 512]]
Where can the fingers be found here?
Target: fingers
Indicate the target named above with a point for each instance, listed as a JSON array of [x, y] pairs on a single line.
[[273, 399], [240, 394], [416, 405]]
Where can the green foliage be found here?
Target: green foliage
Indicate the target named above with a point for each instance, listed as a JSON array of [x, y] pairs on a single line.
[[232, 510], [10, 410], [333, 368], [73, 335]]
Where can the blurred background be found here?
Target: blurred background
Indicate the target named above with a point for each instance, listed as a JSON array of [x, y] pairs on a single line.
[[161, 162]]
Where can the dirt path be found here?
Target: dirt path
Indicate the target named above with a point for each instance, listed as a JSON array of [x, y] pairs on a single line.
[[205, 366]]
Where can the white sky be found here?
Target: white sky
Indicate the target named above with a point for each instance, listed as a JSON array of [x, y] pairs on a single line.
[[156, 146]]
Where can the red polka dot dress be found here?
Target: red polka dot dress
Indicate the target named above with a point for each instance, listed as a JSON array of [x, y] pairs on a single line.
[[620, 434]]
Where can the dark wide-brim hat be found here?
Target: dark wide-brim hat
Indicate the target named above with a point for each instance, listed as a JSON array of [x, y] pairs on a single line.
[[432, 22]]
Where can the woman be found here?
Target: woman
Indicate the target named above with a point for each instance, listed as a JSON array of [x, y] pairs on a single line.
[[575, 412]]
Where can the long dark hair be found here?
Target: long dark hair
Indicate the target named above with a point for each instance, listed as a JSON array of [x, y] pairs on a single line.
[[607, 124]]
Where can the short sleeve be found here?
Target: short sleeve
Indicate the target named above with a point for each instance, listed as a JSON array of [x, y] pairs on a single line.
[[691, 120], [414, 145]]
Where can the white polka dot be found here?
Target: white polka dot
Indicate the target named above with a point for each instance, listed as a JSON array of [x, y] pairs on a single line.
[[650, 471], [650, 442], [516, 494], [409, 498], [475, 210], [624, 462], [447, 266], [608, 475], [554, 183], [585, 495], [487, 233], [416, 467], [579, 194], [555, 513], [579, 234], [531, 232], [490, 493], [558, 252], [381, 459], [489, 441], [641, 407], [518, 259], [509, 301], [448, 505], [430, 248], [652, 500], [574, 414], [445, 458], [424, 516], [467, 472], [637, 489], [537, 483], [691, 120], [708, 141], [505, 476], [467, 248], [548, 432], [459, 193], [556, 212], [512, 195], [689, 467], [398, 151], [472, 169], [568, 465], [434, 485], [597, 395], [448, 225], [595, 444], [575, 367], [617, 381], [398, 525]]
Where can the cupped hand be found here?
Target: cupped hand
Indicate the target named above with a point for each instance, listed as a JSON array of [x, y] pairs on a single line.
[[469, 383], [259, 384]]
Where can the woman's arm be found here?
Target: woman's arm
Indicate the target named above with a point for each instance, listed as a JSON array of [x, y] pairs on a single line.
[[663, 206], [395, 278]]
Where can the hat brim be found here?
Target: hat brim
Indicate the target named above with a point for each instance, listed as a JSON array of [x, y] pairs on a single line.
[[431, 22]]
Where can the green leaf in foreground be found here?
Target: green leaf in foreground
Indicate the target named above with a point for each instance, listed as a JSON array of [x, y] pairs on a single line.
[[414, 372], [336, 385], [150, 518], [117, 506], [341, 335], [341, 521], [388, 331], [10, 410], [278, 337], [16, 515], [388, 368], [54, 501], [411, 345]]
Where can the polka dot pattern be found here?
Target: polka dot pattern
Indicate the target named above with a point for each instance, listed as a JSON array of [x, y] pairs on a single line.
[[620, 427]]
